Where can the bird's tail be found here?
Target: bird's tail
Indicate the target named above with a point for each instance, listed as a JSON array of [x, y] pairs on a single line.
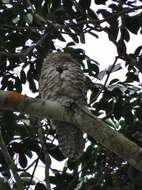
[[70, 139]]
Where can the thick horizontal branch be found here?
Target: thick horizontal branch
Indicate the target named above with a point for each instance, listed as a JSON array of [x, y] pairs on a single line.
[[83, 119]]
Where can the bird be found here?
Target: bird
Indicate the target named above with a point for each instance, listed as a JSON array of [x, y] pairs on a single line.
[[63, 80]]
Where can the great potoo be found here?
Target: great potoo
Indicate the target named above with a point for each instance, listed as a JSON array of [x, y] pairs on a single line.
[[63, 80]]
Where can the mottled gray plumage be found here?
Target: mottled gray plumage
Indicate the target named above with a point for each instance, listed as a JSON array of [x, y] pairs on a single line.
[[63, 80]]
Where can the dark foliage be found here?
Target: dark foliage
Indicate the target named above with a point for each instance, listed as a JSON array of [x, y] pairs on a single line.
[[28, 30]]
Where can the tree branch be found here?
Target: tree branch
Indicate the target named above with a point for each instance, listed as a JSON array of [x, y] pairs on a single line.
[[117, 14], [28, 51], [82, 118], [104, 85], [10, 163], [33, 172]]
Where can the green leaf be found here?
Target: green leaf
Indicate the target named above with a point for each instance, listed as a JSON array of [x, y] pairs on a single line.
[[29, 18], [114, 68], [18, 85], [104, 13], [114, 81], [25, 174], [27, 180], [70, 44], [4, 185], [23, 160], [23, 76], [40, 186], [100, 2], [101, 75], [55, 152], [138, 50], [117, 110], [132, 23], [74, 37], [85, 4], [68, 6], [6, 1], [131, 77], [92, 14]]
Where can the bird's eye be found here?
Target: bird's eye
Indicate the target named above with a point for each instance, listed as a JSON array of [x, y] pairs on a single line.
[[59, 69]]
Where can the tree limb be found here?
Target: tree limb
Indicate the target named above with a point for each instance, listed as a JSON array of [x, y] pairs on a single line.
[[10, 163], [88, 123], [28, 50]]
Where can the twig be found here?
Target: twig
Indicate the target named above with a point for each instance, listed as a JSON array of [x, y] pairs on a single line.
[[10, 163], [7, 27], [108, 75], [104, 85], [46, 157], [32, 176], [25, 169]]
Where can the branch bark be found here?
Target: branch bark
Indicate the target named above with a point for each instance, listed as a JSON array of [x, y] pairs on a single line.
[[97, 129]]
